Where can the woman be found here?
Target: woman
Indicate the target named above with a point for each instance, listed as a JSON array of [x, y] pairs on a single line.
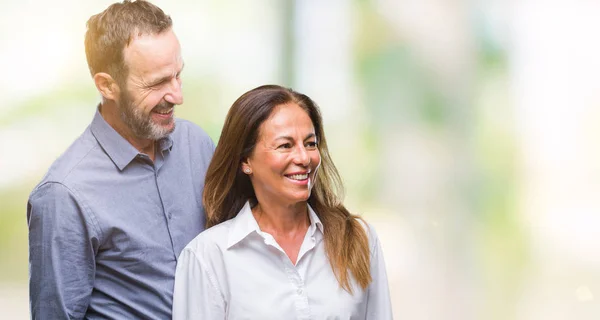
[[280, 243]]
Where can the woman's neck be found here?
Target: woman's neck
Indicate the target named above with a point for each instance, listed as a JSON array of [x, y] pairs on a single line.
[[287, 224], [281, 220]]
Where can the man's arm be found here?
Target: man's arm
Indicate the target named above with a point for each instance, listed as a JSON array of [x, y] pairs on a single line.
[[62, 246]]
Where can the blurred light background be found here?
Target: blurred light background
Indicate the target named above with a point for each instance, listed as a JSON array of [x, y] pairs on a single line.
[[467, 132]]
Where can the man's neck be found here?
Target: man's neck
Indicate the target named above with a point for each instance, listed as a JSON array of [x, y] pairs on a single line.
[[109, 112]]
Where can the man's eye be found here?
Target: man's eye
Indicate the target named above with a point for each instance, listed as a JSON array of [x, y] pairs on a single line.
[[158, 84]]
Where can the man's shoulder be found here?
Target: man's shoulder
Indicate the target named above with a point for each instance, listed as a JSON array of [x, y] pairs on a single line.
[[190, 134], [72, 159], [188, 128]]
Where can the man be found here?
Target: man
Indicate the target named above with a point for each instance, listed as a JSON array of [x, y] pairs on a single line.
[[109, 219]]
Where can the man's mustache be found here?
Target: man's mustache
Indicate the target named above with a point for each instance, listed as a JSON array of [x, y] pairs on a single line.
[[162, 106]]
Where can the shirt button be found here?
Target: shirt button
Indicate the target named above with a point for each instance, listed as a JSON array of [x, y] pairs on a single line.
[[299, 291]]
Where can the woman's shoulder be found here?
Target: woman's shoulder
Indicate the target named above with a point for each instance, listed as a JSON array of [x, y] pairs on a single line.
[[210, 239], [370, 231]]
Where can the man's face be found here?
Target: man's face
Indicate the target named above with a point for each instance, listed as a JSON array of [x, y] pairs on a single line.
[[153, 86]]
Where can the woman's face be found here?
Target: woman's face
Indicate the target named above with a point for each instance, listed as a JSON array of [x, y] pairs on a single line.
[[284, 162]]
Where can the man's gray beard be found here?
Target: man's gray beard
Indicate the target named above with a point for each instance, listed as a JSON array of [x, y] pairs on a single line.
[[141, 125]]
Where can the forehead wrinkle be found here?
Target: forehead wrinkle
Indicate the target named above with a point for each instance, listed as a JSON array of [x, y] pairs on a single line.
[[166, 73], [145, 58], [288, 124]]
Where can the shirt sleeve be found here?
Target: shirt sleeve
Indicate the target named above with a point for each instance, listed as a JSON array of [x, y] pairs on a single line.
[[61, 254], [196, 295], [378, 296]]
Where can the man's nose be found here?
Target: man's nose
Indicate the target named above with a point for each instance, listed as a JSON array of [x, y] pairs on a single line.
[[174, 95]]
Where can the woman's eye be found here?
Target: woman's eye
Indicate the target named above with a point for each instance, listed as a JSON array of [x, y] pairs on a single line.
[[285, 146], [311, 144]]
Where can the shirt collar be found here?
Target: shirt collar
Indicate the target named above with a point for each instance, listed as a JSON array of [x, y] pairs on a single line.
[[165, 144], [315, 222], [119, 150], [244, 224]]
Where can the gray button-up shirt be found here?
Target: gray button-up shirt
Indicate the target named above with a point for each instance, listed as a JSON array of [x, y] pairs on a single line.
[[106, 224]]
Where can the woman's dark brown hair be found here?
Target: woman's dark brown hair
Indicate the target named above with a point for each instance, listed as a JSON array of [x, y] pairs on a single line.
[[227, 188]]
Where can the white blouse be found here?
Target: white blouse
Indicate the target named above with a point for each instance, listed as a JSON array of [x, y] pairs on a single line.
[[236, 271]]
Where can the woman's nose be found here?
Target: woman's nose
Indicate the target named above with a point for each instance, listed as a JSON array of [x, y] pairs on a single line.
[[302, 157]]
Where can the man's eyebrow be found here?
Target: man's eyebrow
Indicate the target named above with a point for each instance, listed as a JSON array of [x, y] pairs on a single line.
[[165, 78], [158, 81]]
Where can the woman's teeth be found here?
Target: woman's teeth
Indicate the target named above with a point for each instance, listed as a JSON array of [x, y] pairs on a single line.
[[299, 176]]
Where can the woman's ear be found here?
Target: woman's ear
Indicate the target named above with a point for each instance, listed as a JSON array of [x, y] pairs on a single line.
[[246, 168]]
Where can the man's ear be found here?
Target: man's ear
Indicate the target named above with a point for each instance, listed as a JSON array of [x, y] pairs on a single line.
[[107, 86]]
